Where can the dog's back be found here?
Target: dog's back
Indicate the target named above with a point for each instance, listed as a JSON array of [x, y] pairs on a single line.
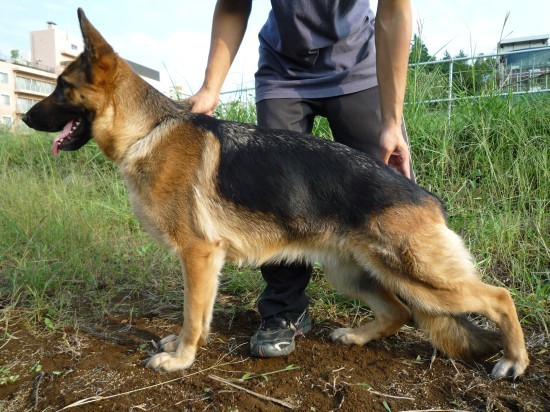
[[296, 176]]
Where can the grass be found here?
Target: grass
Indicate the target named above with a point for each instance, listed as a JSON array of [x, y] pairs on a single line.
[[68, 235], [490, 166], [69, 241]]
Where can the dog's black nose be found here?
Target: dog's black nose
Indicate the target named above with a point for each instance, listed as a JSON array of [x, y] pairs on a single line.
[[25, 118]]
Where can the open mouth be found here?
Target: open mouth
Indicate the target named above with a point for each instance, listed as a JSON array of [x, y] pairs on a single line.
[[68, 139]]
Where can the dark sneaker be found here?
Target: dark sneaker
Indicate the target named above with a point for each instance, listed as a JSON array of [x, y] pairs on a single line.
[[275, 336]]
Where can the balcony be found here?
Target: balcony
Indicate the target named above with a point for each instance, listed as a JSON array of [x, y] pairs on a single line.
[[33, 87], [31, 65]]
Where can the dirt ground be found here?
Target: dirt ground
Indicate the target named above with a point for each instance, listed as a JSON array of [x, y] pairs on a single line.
[[101, 367]]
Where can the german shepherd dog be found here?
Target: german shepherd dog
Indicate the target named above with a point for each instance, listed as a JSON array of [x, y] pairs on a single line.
[[215, 190]]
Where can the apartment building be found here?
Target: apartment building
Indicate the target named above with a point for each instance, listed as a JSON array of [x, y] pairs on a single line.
[[24, 83], [21, 86]]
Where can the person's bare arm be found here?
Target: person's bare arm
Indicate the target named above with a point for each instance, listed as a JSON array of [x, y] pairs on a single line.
[[393, 36], [228, 28]]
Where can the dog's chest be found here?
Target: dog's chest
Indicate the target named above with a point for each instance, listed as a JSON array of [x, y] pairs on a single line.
[[144, 210]]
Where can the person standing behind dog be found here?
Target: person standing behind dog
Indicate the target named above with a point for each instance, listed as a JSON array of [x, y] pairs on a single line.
[[317, 57]]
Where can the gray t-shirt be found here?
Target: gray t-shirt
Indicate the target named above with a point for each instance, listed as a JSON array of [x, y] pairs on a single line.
[[316, 49]]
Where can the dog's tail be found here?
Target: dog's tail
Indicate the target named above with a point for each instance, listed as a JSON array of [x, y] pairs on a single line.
[[457, 336]]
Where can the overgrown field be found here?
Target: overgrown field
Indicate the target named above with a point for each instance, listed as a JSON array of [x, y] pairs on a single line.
[[83, 288], [69, 240]]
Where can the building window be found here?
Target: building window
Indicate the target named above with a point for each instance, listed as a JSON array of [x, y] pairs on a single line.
[[6, 121], [4, 100], [24, 104], [3, 77], [33, 85], [74, 47]]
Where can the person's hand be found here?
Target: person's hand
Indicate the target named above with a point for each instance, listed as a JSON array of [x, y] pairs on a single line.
[[394, 150], [204, 101]]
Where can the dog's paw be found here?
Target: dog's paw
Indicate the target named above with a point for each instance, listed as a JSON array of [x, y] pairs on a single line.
[[169, 362], [168, 344], [346, 336], [509, 368]]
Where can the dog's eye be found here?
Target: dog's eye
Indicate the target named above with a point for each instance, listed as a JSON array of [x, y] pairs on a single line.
[[64, 83]]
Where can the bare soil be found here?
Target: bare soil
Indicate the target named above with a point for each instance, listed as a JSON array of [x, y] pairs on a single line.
[[101, 367]]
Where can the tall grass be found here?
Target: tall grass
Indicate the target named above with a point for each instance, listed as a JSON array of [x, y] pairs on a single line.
[[490, 166], [68, 238]]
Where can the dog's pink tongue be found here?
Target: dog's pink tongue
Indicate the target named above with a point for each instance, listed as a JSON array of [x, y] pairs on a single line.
[[60, 137]]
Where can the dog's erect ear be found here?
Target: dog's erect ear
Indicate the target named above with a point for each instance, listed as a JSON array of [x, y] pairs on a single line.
[[95, 45]]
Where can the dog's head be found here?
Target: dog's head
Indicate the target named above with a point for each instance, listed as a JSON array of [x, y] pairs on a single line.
[[80, 95]]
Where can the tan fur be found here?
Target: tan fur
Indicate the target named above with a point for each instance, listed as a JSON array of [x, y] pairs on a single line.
[[418, 257], [403, 262]]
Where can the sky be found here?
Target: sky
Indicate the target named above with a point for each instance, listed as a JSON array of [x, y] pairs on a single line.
[[173, 37]]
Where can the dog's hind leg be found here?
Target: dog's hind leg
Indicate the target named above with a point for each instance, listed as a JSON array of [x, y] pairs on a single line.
[[449, 330], [430, 268], [201, 265], [390, 314]]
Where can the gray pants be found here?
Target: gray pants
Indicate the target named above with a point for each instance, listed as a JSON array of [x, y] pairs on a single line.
[[354, 120]]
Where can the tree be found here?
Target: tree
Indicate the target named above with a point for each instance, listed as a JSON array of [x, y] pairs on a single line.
[[462, 72], [469, 76], [485, 73], [419, 52], [15, 55]]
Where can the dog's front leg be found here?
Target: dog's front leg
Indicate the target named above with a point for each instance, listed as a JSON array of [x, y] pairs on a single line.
[[201, 264]]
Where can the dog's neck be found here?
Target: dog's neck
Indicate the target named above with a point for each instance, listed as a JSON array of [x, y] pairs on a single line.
[[132, 111]]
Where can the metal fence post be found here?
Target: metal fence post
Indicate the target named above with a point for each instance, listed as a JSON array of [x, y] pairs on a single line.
[[450, 94]]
